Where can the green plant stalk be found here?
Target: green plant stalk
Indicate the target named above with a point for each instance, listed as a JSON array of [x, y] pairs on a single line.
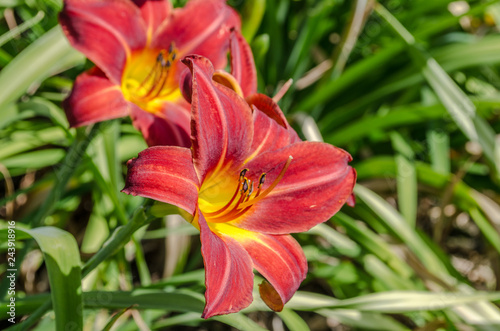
[[357, 20], [253, 12], [69, 164], [119, 238]]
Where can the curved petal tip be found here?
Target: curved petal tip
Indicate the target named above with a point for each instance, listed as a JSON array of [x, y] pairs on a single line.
[[270, 297]]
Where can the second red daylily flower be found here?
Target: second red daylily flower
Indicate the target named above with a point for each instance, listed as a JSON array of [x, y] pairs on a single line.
[[248, 181], [136, 46]]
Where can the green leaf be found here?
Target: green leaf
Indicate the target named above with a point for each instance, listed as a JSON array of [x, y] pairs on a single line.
[[341, 242], [179, 300], [459, 106], [293, 321], [49, 54], [362, 320], [406, 178], [62, 258], [395, 222], [391, 302], [252, 14]]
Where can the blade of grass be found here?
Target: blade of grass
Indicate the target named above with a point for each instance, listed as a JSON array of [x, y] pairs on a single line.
[[362, 320], [459, 106], [395, 222], [391, 302], [406, 178], [46, 55]]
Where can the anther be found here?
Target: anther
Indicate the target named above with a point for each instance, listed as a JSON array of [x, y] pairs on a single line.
[[244, 190], [262, 179], [245, 186], [270, 188], [243, 173]]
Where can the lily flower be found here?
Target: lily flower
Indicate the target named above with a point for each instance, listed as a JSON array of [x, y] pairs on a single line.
[[136, 47], [247, 182]]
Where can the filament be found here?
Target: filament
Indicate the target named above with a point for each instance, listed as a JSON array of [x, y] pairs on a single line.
[[244, 190]]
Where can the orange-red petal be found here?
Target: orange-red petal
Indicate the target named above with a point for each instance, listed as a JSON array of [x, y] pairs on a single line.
[[269, 107], [242, 63], [166, 174], [94, 99], [221, 125], [154, 14], [202, 27], [268, 134], [105, 31], [281, 261], [169, 126], [315, 186], [228, 272]]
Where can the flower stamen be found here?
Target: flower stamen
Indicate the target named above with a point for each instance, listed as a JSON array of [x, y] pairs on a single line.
[[153, 85], [245, 189]]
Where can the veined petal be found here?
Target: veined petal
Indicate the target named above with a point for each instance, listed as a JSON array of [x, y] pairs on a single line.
[[267, 105], [167, 126], [154, 14], [268, 134], [314, 187], [279, 259], [242, 63], [166, 174], [94, 99], [228, 272], [221, 125], [202, 27], [105, 31]]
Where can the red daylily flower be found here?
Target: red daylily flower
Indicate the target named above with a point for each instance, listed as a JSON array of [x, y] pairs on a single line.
[[135, 46], [248, 181]]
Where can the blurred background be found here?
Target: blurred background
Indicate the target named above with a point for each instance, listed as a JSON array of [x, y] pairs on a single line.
[[409, 88]]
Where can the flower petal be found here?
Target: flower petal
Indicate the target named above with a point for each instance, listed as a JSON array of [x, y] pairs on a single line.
[[279, 259], [221, 125], [242, 63], [202, 27], [166, 174], [268, 134], [94, 99], [314, 187], [168, 126], [228, 273], [154, 14], [105, 31]]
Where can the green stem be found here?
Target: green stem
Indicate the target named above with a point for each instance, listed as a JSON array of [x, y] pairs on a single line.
[[63, 175], [394, 24], [69, 164], [118, 239]]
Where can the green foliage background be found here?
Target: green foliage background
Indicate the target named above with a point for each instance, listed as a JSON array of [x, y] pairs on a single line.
[[409, 88]]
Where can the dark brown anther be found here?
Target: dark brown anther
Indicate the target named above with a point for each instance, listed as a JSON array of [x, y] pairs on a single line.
[[243, 173], [174, 56], [245, 186], [262, 179], [171, 48]]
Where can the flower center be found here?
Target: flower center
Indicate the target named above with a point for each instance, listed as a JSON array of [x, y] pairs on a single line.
[[247, 193], [150, 76]]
